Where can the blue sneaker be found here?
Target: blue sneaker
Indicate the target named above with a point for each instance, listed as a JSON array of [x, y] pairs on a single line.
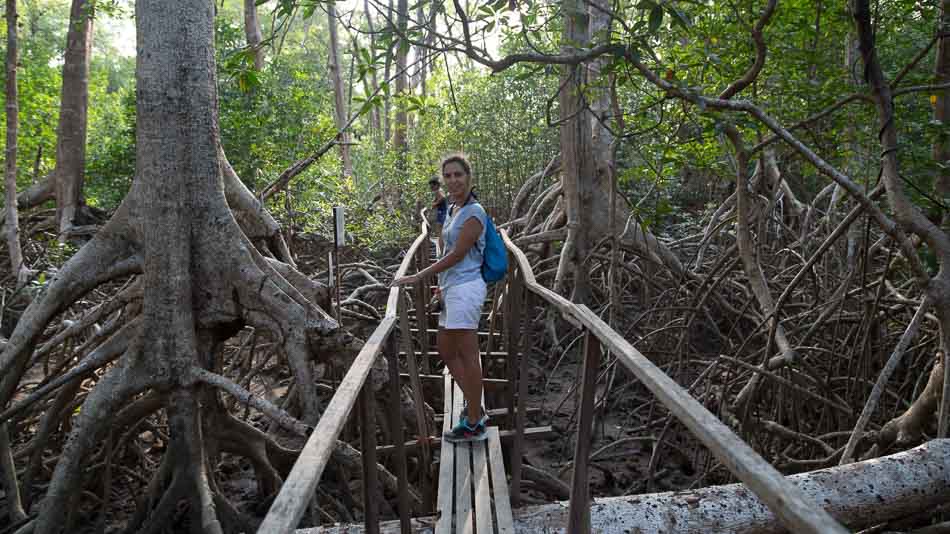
[[463, 416], [462, 432]]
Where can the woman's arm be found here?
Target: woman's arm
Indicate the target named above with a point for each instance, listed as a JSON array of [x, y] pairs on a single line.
[[471, 229]]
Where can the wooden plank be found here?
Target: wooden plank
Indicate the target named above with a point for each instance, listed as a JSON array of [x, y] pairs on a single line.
[[446, 467], [499, 483], [483, 521], [289, 506], [797, 512], [579, 515], [464, 523]]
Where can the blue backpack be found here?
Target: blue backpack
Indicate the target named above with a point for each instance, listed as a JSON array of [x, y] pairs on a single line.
[[495, 255]]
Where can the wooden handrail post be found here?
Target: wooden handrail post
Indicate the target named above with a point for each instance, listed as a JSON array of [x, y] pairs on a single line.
[[579, 515], [422, 426], [520, 363], [367, 411], [395, 391], [422, 308], [512, 335]]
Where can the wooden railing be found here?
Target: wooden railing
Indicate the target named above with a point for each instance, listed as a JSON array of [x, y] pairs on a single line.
[[794, 509], [520, 292], [296, 494]]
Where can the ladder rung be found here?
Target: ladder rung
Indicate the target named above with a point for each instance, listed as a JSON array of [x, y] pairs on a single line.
[[530, 432], [433, 331], [492, 354], [495, 412], [488, 382]]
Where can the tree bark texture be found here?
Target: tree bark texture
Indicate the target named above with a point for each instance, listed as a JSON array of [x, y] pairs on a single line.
[[202, 279], [252, 32], [11, 222], [579, 171], [858, 495], [400, 129], [373, 84], [340, 114], [71, 133], [941, 114]]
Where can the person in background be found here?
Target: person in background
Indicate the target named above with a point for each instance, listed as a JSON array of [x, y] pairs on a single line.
[[439, 203], [463, 294]]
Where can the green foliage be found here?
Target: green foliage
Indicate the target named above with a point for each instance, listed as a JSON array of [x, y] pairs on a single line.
[[672, 158], [110, 155]]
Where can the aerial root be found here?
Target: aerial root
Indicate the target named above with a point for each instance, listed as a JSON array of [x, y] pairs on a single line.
[[51, 420], [157, 519], [116, 387], [234, 436], [104, 354], [8, 480], [102, 259]]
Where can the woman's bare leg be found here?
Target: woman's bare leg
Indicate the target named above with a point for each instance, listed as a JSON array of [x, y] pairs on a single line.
[[459, 350], [449, 352], [472, 370]]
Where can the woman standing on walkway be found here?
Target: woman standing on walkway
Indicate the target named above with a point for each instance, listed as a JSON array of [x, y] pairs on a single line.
[[463, 293]]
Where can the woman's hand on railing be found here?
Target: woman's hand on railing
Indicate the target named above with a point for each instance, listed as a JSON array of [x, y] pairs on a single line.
[[405, 280]]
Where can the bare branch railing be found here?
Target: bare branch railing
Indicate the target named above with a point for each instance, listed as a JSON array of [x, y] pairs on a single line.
[[798, 512]]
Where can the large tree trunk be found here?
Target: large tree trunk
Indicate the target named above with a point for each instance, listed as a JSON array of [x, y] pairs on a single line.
[[373, 84], [387, 71], [68, 176], [858, 495], [12, 224], [579, 171], [8, 475], [252, 31], [941, 147], [402, 79], [587, 176], [202, 280], [339, 96], [905, 484]]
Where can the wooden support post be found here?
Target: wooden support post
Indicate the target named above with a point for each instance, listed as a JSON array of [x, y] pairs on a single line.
[[398, 438], [422, 308], [518, 326], [490, 346], [370, 478], [579, 518], [422, 428], [512, 312]]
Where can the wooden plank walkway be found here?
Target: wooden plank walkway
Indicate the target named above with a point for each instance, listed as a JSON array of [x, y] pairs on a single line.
[[473, 488]]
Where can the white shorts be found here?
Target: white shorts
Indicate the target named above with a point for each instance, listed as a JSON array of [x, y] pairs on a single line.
[[462, 305]]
